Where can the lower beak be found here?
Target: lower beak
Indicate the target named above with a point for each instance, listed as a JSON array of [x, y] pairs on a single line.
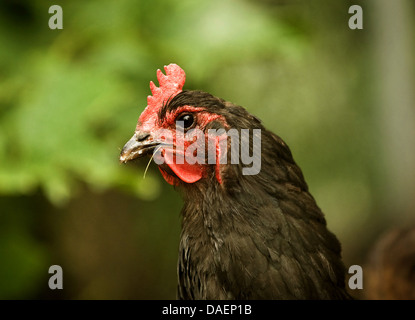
[[140, 144]]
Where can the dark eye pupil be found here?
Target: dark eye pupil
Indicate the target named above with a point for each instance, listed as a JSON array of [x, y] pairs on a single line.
[[186, 121]]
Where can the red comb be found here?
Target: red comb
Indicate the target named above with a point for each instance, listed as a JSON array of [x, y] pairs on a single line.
[[170, 85]]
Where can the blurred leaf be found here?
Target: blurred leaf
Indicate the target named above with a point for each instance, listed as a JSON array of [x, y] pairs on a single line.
[[22, 266]]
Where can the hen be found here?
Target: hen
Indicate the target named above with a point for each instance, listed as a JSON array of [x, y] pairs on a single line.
[[250, 227]]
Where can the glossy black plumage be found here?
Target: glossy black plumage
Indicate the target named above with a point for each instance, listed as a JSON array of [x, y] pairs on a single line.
[[254, 237]]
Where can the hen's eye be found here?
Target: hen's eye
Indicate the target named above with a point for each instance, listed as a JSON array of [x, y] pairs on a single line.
[[185, 121]]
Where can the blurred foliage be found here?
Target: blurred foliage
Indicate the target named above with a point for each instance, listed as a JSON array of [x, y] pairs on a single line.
[[70, 99]]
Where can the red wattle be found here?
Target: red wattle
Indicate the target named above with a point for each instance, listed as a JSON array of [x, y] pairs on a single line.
[[189, 173], [169, 179]]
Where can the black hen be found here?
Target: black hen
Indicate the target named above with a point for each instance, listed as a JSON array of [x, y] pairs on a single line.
[[245, 235]]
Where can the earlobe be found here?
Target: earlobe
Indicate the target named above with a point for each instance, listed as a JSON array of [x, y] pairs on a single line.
[[221, 143], [217, 148], [218, 155]]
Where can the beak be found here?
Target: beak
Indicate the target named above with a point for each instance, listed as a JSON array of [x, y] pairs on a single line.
[[140, 144]]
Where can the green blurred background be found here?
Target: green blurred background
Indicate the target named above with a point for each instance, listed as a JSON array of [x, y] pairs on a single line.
[[69, 99]]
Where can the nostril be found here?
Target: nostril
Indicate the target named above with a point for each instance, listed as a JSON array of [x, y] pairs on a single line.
[[141, 136]]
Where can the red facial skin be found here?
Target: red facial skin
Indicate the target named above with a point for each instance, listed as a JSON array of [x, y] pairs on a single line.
[[218, 155], [170, 85], [186, 172]]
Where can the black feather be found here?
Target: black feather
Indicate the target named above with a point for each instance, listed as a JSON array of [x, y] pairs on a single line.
[[254, 237]]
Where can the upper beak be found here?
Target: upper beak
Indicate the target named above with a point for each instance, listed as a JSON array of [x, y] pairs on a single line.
[[140, 144]]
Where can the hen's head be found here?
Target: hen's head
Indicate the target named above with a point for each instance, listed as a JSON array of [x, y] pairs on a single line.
[[184, 130]]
